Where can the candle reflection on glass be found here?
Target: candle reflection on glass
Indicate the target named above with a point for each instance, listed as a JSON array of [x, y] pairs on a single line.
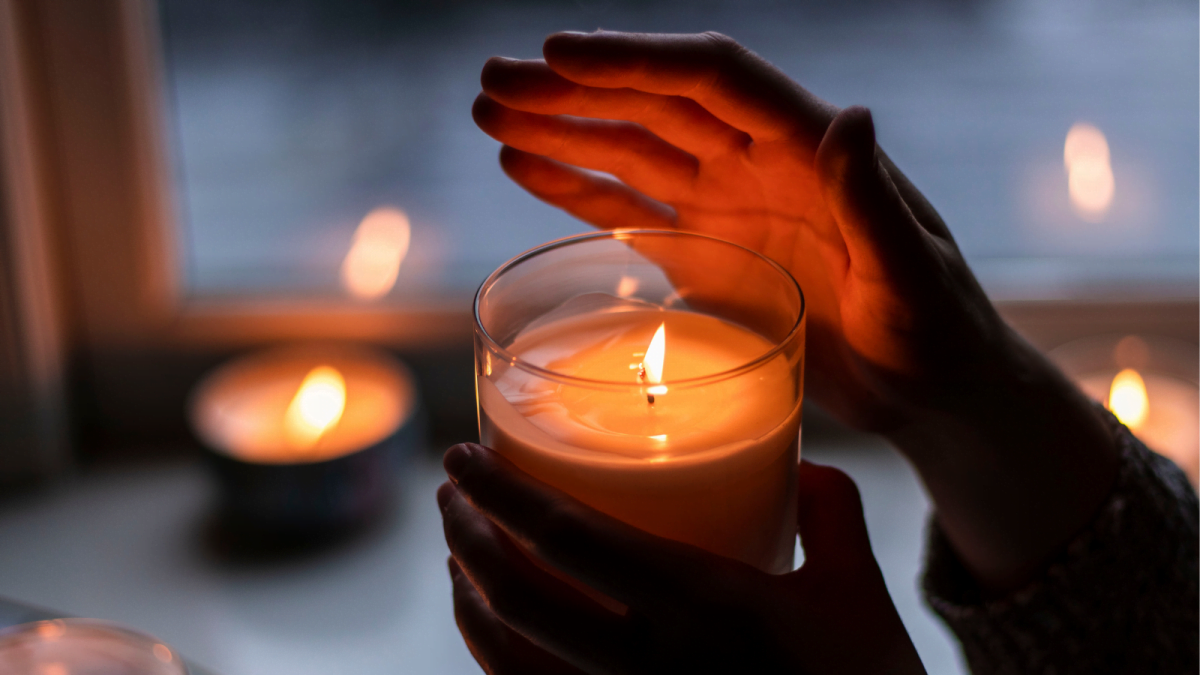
[[380, 244]]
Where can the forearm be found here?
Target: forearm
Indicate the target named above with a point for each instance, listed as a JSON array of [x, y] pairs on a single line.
[[1121, 596], [1015, 469]]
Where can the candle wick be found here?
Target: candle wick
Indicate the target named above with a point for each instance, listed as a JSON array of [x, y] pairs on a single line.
[[642, 380]]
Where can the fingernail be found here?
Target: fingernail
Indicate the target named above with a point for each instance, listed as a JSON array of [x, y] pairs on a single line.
[[444, 493], [456, 460]]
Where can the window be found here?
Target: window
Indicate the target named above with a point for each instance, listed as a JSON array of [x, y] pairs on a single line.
[[293, 120]]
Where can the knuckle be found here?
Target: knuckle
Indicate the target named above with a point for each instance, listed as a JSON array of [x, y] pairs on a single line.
[[503, 592], [467, 543], [478, 474], [844, 485], [721, 43], [559, 528]]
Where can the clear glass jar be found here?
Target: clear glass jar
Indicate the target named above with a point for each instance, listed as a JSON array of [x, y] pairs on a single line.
[[84, 647], [656, 376]]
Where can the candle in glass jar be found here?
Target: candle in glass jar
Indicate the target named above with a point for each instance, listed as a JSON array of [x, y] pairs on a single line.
[[305, 440], [1149, 383], [302, 404], [629, 412], [1163, 411]]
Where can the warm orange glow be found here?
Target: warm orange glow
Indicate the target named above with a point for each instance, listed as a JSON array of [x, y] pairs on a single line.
[[56, 668], [627, 287], [652, 362], [1127, 399], [380, 244], [316, 408], [51, 630], [163, 653], [1089, 171]]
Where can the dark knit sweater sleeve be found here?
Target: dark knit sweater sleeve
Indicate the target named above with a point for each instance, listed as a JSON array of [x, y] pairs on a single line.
[[1122, 598]]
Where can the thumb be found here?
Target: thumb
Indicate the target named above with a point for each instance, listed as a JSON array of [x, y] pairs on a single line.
[[830, 517], [883, 238]]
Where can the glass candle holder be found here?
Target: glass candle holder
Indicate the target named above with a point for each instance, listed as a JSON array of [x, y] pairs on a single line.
[[656, 376], [305, 440], [84, 647], [1149, 382]]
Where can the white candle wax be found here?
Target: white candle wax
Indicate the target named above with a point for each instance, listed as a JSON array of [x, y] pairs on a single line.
[[711, 464]]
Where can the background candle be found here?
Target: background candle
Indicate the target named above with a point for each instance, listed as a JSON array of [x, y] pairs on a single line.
[[84, 647], [306, 438], [1149, 383], [701, 448]]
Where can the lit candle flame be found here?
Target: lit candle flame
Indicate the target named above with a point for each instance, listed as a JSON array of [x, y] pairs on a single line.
[[652, 362], [1089, 171], [380, 243], [316, 408], [1127, 399]]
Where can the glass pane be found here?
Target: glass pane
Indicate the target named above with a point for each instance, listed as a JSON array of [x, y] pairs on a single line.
[[294, 120]]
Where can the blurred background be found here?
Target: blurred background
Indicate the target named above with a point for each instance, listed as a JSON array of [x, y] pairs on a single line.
[[186, 181]]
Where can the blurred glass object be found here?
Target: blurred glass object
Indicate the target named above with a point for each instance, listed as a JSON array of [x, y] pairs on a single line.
[[84, 647], [292, 119]]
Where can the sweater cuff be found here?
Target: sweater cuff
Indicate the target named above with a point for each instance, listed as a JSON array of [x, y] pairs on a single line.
[[1122, 597]]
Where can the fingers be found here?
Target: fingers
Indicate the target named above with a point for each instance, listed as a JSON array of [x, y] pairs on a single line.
[[728, 80], [600, 201], [830, 518], [533, 87], [527, 599], [883, 239], [499, 649], [627, 564], [624, 149]]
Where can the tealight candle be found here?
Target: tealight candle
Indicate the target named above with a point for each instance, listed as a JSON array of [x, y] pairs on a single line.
[[305, 438], [627, 370], [1149, 383], [84, 647]]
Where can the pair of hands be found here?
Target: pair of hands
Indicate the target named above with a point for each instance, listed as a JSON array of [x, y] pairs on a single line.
[[702, 135], [699, 134], [689, 611]]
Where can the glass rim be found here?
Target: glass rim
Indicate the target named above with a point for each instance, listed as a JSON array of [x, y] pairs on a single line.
[[618, 234], [107, 627]]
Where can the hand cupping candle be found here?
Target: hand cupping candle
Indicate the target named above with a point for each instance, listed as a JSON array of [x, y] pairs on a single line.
[[656, 376]]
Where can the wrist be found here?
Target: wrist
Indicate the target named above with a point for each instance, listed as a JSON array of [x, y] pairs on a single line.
[[1016, 464]]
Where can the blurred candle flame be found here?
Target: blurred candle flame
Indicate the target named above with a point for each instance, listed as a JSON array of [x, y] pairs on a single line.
[[1089, 171], [380, 244], [653, 361], [316, 408], [1127, 399]]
